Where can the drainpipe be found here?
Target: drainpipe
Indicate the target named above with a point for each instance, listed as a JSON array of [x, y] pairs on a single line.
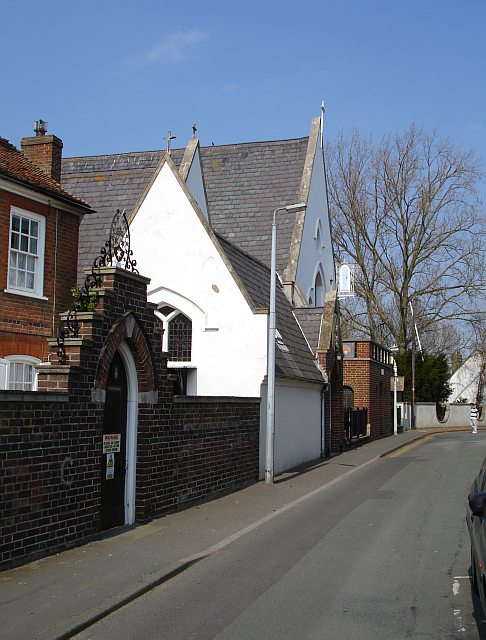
[[54, 296]]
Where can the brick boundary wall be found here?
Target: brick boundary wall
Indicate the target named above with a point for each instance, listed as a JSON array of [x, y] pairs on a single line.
[[50, 465], [189, 449], [210, 448], [50, 474]]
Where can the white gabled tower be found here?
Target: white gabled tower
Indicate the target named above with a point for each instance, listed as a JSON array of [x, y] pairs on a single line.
[[311, 273]]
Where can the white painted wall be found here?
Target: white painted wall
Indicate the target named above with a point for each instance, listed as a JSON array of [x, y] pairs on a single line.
[[195, 184], [297, 424], [173, 247], [464, 381], [457, 415], [311, 253]]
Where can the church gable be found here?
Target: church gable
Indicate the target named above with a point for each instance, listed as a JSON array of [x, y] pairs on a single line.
[[311, 265], [177, 247], [107, 183]]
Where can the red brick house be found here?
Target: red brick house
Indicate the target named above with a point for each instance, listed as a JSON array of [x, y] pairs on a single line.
[[39, 227], [366, 380]]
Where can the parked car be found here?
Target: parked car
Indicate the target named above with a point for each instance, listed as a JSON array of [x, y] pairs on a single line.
[[476, 523]]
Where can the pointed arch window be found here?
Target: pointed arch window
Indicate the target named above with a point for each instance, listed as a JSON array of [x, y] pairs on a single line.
[[180, 338], [319, 290], [318, 236]]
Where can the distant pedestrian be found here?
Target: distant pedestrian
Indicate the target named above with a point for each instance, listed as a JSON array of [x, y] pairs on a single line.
[[473, 418]]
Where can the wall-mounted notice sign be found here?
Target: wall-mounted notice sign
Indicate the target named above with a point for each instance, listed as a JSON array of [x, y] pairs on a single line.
[[111, 442], [110, 466]]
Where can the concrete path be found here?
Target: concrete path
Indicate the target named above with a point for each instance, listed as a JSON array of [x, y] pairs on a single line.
[[59, 596]]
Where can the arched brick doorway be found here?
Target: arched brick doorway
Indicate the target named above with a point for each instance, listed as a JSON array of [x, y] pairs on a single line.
[[114, 458]]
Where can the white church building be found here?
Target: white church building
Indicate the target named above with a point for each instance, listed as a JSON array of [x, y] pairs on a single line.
[[200, 229]]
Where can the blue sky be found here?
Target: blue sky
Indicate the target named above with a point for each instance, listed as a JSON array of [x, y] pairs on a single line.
[[112, 76]]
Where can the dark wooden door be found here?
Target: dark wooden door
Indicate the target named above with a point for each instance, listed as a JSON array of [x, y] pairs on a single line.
[[113, 462]]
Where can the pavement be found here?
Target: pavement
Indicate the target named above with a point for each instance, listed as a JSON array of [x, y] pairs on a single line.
[[56, 597]]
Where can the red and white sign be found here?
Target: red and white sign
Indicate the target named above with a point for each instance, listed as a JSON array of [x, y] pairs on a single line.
[[111, 442]]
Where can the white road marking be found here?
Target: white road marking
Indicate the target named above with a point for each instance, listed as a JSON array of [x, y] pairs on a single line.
[[455, 589], [460, 624]]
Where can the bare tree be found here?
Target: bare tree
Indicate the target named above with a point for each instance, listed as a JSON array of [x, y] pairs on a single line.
[[407, 213]]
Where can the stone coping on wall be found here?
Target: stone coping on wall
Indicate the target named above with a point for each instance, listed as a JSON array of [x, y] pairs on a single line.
[[72, 342], [119, 271], [214, 399], [85, 315], [58, 369]]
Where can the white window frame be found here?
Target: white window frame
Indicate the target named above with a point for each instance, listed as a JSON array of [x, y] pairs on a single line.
[[38, 290], [3, 373], [20, 359], [165, 338], [346, 273]]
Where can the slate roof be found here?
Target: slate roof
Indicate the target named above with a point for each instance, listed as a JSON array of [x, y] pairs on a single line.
[[298, 361], [245, 183], [108, 183], [310, 320], [15, 166]]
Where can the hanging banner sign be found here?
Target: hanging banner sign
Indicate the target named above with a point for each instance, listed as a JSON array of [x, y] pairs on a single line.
[[110, 466], [111, 442]]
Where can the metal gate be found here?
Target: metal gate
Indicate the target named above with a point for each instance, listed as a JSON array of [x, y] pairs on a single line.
[[355, 423]]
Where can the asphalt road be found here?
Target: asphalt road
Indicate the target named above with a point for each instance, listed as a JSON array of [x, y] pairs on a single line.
[[381, 555]]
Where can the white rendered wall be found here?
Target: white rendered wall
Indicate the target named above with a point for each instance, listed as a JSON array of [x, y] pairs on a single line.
[[457, 415], [174, 249], [464, 381], [297, 424], [195, 184], [311, 254]]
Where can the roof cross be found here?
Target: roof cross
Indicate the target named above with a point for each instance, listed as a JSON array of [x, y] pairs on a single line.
[[169, 138], [194, 129]]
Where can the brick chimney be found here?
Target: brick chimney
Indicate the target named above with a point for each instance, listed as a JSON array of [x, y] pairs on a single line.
[[44, 151]]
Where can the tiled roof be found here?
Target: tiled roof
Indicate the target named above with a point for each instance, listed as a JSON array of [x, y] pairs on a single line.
[[310, 321], [15, 166], [293, 358], [245, 183], [108, 183]]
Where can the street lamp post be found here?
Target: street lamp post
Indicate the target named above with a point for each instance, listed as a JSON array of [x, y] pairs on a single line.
[[272, 325], [395, 420], [415, 336]]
